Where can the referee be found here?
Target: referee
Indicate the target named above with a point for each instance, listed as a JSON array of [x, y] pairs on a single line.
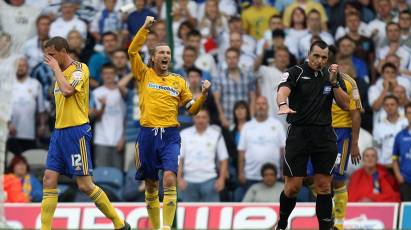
[[310, 89]]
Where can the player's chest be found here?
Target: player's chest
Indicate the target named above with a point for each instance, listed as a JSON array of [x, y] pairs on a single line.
[[162, 88]]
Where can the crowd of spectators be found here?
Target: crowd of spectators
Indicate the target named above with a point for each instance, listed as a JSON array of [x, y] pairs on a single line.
[[233, 149]]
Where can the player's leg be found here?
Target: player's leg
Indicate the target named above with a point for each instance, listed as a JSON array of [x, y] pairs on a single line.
[[339, 180], [323, 161], [294, 170], [146, 165], [50, 198], [55, 165], [170, 149], [80, 165]]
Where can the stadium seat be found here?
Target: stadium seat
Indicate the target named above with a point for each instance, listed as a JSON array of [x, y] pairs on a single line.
[[110, 180], [36, 159]]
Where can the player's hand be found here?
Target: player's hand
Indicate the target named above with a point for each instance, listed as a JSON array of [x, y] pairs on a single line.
[[333, 73], [205, 86], [219, 184], [52, 62], [284, 109], [182, 184], [149, 22], [355, 154]]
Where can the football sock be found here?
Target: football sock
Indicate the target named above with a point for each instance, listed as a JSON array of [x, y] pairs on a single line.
[[48, 206], [287, 205], [340, 206], [323, 209], [103, 203], [169, 205], [153, 208]]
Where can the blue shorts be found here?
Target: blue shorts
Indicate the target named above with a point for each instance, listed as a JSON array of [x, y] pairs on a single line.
[[156, 150], [344, 136], [69, 151]]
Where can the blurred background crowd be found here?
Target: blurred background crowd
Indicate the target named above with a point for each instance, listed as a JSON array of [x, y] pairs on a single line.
[[232, 150]]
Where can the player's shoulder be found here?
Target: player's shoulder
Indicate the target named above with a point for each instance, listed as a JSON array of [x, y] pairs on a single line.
[[295, 70], [177, 76]]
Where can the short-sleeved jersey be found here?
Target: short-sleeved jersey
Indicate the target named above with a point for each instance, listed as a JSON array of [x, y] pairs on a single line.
[[73, 110], [311, 95], [402, 153], [342, 118], [160, 96]]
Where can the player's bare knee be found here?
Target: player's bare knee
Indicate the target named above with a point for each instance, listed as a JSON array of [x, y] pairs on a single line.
[[49, 180], [338, 184], [151, 186], [86, 186], [169, 179]]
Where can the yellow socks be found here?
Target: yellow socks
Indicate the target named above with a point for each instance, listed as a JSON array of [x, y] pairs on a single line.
[[169, 206], [340, 205], [48, 206], [103, 203], [153, 208]]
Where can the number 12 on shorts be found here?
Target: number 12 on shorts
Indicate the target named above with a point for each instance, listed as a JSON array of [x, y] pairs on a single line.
[[75, 161]]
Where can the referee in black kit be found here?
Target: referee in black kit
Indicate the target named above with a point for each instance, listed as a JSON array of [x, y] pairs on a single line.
[[310, 89]]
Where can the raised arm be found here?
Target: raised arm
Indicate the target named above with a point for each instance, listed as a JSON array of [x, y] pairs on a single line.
[[341, 97], [137, 65]]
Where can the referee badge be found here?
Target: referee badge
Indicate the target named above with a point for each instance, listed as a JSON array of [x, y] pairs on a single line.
[[327, 90], [285, 76]]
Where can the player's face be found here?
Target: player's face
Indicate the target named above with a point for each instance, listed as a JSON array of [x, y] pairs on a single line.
[[58, 55], [108, 75], [162, 57], [317, 59], [390, 106], [370, 159], [269, 177], [201, 120]]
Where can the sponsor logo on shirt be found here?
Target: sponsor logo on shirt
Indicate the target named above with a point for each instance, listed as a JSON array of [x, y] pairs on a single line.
[[171, 90], [327, 89]]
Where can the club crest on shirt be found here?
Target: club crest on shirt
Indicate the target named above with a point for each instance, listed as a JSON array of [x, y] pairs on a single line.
[[327, 89], [77, 75]]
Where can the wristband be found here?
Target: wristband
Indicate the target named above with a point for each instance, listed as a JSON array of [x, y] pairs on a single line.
[[281, 104]]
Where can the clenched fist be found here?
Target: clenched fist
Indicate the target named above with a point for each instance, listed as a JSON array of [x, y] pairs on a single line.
[[205, 86], [333, 73], [149, 22]]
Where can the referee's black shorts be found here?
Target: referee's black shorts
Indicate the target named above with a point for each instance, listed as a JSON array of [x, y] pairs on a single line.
[[318, 143]]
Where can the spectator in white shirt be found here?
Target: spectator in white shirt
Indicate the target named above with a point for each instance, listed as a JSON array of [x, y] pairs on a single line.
[[314, 27], [33, 48], [262, 141], [376, 28], [385, 86], [110, 114], [404, 20], [27, 106], [394, 46], [203, 161], [297, 30], [18, 19], [269, 190], [385, 131], [247, 60], [67, 22], [268, 78], [213, 23], [275, 23]]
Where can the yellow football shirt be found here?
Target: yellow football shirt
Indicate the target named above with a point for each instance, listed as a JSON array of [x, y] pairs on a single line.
[[160, 96], [310, 5], [73, 110], [342, 118], [255, 20]]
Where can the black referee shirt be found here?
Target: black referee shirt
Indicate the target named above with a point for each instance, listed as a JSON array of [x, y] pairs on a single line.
[[311, 95]]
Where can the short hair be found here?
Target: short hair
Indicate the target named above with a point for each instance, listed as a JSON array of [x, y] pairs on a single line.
[[314, 11], [353, 14], [345, 37], [186, 23], [107, 66], [354, 4], [234, 19], [194, 33], [390, 24], [194, 69], [232, 49], [388, 65], [121, 50], [58, 43], [189, 48], [405, 12], [392, 97], [276, 16], [321, 44], [41, 17], [268, 166], [278, 33], [109, 33]]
